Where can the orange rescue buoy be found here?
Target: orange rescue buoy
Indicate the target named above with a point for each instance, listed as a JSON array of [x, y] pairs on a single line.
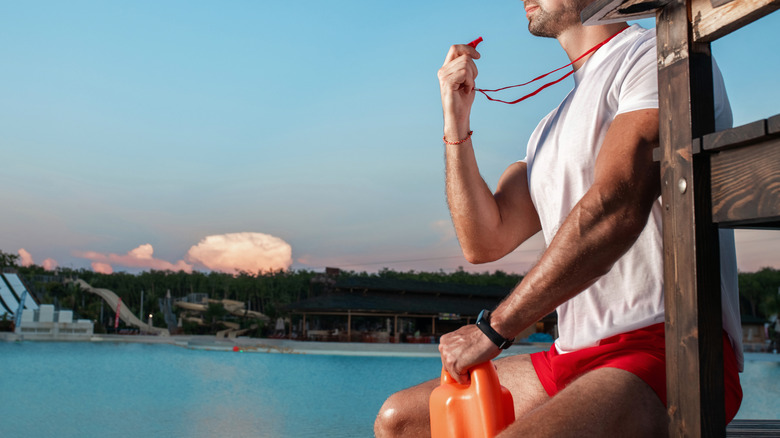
[[481, 409]]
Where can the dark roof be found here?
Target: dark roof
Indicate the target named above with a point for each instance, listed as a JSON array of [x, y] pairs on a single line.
[[382, 295], [394, 303], [421, 287]]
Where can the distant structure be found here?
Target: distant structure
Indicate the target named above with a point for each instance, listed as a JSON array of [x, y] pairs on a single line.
[[38, 322], [49, 324], [125, 314], [12, 292]]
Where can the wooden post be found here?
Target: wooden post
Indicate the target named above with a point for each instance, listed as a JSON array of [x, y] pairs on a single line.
[[691, 250]]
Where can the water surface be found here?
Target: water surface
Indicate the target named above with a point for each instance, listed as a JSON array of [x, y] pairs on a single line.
[[124, 389]]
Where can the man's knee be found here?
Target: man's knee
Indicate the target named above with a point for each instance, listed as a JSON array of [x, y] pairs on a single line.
[[405, 413], [395, 418]]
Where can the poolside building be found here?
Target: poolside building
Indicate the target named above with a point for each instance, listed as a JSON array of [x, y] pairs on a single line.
[[371, 309]]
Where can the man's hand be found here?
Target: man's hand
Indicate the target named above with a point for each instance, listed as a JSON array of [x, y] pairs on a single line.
[[464, 348], [456, 80]]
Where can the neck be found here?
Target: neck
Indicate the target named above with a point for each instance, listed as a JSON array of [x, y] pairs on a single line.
[[578, 39]]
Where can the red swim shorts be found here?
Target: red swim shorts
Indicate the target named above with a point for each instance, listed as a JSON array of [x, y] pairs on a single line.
[[640, 352]]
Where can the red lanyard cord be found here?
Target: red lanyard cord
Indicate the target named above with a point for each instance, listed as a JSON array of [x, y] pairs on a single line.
[[593, 49]]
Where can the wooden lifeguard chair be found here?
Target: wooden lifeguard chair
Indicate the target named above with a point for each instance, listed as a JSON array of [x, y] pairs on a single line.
[[709, 180]]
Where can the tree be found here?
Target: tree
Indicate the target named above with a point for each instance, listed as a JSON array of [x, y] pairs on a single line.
[[761, 290], [8, 260]]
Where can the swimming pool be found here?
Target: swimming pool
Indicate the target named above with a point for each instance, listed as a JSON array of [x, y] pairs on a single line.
[[125, 389]]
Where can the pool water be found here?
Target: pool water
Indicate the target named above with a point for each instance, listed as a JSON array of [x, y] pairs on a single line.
[[120, 389]]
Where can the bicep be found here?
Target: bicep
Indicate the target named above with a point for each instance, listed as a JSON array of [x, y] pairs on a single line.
[[625, 171]]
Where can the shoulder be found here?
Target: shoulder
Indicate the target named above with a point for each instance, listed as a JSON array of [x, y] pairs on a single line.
[[638, 45]]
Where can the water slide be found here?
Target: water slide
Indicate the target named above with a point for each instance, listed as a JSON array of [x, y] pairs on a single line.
[[125, 314], [18, 287], [9, 304], [233, 307]]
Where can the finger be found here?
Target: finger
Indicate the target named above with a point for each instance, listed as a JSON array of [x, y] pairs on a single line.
[[461, 377], [459, 73], [450, 364], [458, 50]]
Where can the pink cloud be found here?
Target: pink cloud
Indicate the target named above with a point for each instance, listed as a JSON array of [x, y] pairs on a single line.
[[102, 268], [141, 257], [50, 264], [248, 252], [26, 257]]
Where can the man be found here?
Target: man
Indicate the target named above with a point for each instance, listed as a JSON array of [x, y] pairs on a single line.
[[590, 185]]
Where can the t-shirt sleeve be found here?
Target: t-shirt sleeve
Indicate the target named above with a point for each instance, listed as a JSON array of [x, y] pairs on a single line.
[[639, 88]]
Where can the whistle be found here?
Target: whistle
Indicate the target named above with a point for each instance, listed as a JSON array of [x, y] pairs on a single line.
[[476, 42]]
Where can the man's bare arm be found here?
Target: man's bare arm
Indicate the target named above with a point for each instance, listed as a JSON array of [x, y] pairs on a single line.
[[488, 225], [603, 225], [599, 230]]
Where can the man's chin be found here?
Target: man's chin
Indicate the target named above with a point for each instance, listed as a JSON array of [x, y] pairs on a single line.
[[544, 33]]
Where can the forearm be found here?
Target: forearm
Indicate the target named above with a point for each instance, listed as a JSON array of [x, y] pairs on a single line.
[[598, 231], [488, 225], [473, 207]]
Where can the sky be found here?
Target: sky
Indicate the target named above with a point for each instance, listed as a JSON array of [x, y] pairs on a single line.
[[255, 135]]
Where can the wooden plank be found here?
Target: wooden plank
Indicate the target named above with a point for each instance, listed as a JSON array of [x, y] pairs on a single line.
[[694, 362], [695, 149], [753, 428], [711, 23], [718, 3], [773, 125], [746, 184], [734, 137], [614, 11]]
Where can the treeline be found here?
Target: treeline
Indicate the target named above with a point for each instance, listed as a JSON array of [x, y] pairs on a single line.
[[265, 292], [760, 293], [270, 292]]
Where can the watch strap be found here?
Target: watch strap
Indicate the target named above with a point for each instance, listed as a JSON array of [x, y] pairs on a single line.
[[483, 322]]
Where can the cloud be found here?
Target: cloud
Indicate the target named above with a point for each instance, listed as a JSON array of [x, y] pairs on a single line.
[[248, 252], [140, 257], [50, 264], [102, 268], [26, 257], [27, 260], [444, 229]]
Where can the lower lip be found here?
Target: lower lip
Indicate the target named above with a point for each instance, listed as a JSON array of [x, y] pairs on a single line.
[[530, 10]]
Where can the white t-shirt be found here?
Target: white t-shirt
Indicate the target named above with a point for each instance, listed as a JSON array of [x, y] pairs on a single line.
[[620, 77]]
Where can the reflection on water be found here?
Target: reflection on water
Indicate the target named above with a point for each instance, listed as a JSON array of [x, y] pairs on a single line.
[[113, 390]]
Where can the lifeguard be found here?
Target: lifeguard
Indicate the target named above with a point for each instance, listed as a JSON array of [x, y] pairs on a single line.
[[588, 182]]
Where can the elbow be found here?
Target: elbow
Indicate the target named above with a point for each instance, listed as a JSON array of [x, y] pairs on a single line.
[[478, 256], [474, 258]]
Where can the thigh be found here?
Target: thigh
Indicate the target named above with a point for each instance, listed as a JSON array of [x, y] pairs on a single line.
[[406, 412], [517, 374], [603, 402]]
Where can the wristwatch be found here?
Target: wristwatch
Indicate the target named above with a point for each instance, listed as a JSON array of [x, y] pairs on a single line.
[[483, 322]]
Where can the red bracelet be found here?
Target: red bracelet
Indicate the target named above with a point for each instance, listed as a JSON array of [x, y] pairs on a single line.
[[452, 143]]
